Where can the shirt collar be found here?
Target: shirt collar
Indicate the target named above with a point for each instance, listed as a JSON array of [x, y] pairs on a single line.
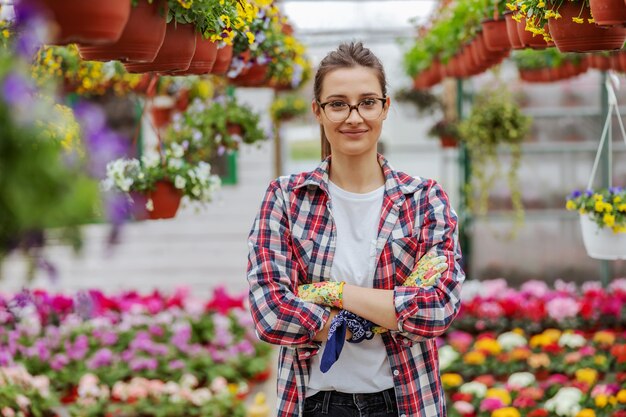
[[396, 185]]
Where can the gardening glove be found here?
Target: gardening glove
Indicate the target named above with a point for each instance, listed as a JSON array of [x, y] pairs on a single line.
[[343, 321], [326, 293]]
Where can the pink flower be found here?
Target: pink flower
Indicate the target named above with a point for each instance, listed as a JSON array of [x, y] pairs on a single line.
[[7, 412], [605, 389], [463, 407], [535, 288], [491, 404], [562, 308], [493, 288], [587, 350]]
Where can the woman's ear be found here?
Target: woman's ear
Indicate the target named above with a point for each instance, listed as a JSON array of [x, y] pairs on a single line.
[[315, 108], [387, 104]]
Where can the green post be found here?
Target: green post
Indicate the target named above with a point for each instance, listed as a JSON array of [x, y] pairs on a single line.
[[605, 266], [465, 218]]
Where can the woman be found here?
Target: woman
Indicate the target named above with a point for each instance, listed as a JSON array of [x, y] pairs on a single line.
[[354, 230]]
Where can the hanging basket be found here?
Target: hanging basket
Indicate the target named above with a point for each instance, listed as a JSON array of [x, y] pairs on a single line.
[[511, 30], [496, 35], [222, 61], [175, 54], [141, 39], [203, 58], [570, 36], [608, 12], [254, 77], [602, 243], [88, 22], [165, 200]]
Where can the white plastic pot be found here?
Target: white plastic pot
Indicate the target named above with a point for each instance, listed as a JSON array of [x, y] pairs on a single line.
[[602, 243]]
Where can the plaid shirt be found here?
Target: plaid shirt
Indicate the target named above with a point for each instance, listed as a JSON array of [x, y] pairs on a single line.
[[292, 242]]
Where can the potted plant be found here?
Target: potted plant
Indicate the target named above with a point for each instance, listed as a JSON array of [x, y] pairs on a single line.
[[446, 131], [494, 26], [424, 101], [495, 122], [208, 130], [287, 106], [603, 221], [162, 181]]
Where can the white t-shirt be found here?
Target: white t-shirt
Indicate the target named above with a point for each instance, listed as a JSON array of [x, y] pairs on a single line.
[[362, 367]]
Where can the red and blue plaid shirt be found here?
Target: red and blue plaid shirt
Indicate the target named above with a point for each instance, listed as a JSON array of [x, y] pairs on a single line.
[[292, 242]]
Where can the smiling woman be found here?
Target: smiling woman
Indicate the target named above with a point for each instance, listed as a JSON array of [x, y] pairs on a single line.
[[356, 251]]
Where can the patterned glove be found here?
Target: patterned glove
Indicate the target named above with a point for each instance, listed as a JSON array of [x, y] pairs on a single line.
[[326, 293], [427, 271], [344, 320]]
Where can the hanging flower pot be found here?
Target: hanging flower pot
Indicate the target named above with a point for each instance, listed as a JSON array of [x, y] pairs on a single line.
[[602, 243], [165, 200], [570, 36], [141, 39], [161, 111], [203, 58], [175, 54], [496, 35], [447, 142], [254, 77], [88, 22], [528, 38], [600, 62], [511, 30], [222, 61], [608, 12]]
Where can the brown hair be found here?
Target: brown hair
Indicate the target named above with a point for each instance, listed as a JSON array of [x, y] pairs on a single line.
[[347, 55]]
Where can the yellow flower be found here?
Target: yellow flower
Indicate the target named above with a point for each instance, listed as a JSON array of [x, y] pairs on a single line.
[[511, 6], [582, 211], [609, 220], [541, 4], [601, 401], [6, 33], [185, 3], [500, 393], [570, 205], [599, 360], [619, 229], [586, 412], [506, 412], [617, 199], [250, 36], [451, 380], [578, 20], [587, 375], [489, 345], [474, 358], [622, 207], [225, 20], [621, 396], [599, 206], [591, 20], [557, 15]]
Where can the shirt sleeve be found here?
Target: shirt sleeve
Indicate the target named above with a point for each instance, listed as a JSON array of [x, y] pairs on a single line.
[[425, 313], [280, 317]]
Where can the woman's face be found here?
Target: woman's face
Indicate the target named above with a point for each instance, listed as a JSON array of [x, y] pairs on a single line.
[[354, 86]]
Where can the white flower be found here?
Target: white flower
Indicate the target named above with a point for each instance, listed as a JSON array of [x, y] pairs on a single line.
[[175, 163], [572, 340], [520, 380], [22, 401], [447, 355], [150, 160], [177, 150], [196, 191], [511, 340], [219, 384], [106, 184], [150, 205], [566, 402], [188, 381], [477, 389], [171, 388], [201, 396], [125, 183], [179, 182]]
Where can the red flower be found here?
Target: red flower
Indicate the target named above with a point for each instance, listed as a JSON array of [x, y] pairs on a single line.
[[223, 302], [540, 412], [619, 413], [524, 402], [553, 348], [486, 379], [462, 396], [619, 351]]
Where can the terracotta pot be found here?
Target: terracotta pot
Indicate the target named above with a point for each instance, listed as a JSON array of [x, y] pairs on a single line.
[[570, 36], [608, 12], [141, 39], [161, 116], [511, 30], [234, 129], [182, 101], [600, 62], [222, 60], [254, 77], [88, 22], [496, 35], [529, 39], [175, 53], [447, 142], [203, 58], [530, 75], [165, 200]]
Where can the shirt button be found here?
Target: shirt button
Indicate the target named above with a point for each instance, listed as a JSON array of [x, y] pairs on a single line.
[[396, 373]]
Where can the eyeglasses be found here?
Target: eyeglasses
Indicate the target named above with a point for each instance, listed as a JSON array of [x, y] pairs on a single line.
[[368, 109]]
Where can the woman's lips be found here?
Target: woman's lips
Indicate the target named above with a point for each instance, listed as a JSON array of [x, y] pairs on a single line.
[[353, 133]]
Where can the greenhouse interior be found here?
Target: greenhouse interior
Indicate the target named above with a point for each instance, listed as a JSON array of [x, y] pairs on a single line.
[[146, 267]]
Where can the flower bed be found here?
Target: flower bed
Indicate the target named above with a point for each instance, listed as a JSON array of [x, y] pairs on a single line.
[[128, 353], [537, 351]]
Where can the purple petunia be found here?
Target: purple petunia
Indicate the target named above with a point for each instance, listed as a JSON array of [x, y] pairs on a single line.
[[103, 357]]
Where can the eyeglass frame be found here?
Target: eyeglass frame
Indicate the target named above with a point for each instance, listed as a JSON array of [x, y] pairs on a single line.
[[352, 107]]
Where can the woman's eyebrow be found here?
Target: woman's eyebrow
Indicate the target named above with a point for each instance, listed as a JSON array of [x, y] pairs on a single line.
[[342, 96]]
